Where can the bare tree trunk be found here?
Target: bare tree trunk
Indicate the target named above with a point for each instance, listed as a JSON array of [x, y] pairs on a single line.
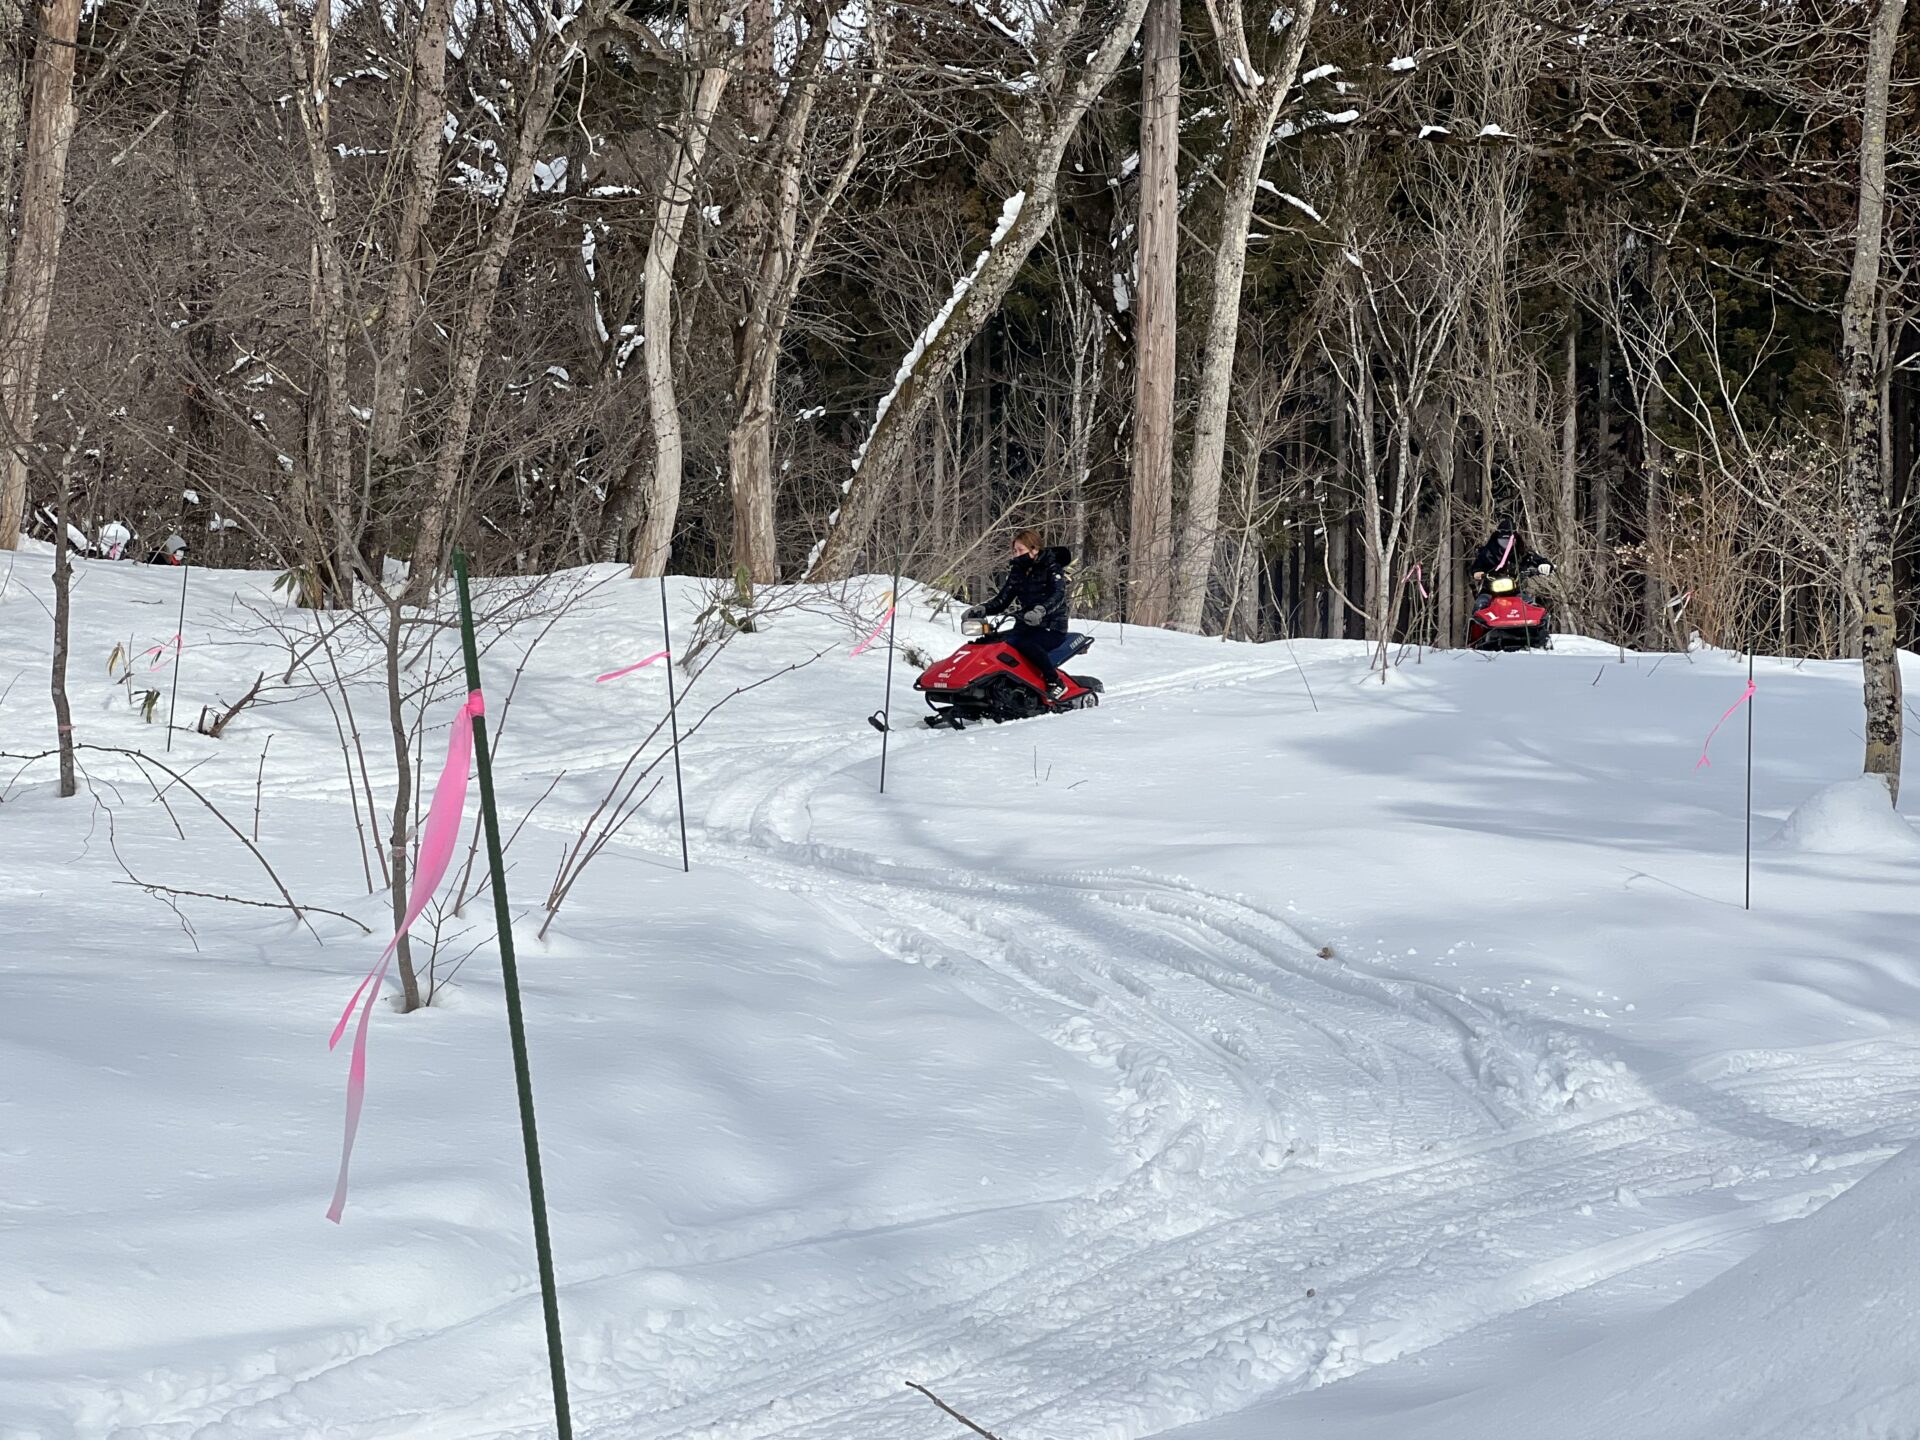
[[1653, 455], [1150, 543], [654, 547], [1567, 496], [1868, 496], [1447, 453], [1071, 79], [28, 307], [202, 343], [784, 258], [1254, 107], [334, 521], [62, 631], [446, 498], [1601, 493], [400, 317], [402, 808], [13, 109]]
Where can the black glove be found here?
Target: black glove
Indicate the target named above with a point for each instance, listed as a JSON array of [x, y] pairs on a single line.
[[1034, 616], [975, 612]]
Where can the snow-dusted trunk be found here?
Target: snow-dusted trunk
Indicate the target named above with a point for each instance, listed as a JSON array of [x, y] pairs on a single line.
[[1254, 107], [446, 497], [1868, 495], [1072, 78], [662, 494], [406, 280], [1155, 317], [28, 306]]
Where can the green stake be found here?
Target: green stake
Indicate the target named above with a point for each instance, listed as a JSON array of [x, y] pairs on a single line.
[[543, 1245]]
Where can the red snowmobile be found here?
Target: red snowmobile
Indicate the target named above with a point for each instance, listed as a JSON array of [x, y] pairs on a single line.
[[987, 679], [1512, 619]]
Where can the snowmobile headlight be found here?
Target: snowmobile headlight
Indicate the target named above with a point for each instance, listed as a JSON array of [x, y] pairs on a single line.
[[1503, 586], [973, 627]]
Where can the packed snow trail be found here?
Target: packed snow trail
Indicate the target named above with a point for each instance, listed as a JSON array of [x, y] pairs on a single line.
[[1102, 1101]]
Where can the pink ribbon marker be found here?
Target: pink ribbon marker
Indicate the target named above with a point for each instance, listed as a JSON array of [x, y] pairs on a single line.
[[438, 839], [1744, 698], [1414, 575], [176, 644], [876, 631], [1505, 553], [637, 665]]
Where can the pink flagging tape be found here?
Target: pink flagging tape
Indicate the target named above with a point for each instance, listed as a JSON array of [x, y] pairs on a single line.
[[1745, 696], [1414, 575], [438, 839], [628, 670], [875, 633], [175, 644], [1505, 553]]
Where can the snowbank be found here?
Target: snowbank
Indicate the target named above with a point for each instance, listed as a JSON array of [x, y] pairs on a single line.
[[1814, 1337], [1851, 818]]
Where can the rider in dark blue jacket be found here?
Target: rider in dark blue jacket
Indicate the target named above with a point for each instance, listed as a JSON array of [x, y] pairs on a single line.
[[1036, 592]]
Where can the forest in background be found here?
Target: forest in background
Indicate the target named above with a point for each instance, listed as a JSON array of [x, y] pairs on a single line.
[[1256, 308]]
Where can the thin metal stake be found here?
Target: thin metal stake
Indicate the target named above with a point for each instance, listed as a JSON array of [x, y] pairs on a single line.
[[673, 716], [179, 648], [893, 624], [1750, 698], [523, 1079]]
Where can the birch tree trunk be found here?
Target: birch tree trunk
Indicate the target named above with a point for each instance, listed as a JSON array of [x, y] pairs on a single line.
[[1254, 105], [28, 306], [1150, 534], [1071, 77], [1868, 494], [654, 546]]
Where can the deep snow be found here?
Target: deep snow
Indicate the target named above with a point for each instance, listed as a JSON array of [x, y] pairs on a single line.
[[1267, 1027]]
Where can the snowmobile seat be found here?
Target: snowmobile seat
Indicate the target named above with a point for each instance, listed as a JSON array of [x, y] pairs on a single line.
[[1068, 648]]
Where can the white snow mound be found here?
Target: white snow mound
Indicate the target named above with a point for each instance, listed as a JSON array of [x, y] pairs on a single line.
[[1851, 818], [1810, 1339]]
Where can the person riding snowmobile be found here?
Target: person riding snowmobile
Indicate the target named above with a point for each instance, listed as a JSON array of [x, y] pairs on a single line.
[[1035, 591], [1502, 555]]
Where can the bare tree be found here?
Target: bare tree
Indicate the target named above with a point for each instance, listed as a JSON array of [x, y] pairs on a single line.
[[1868, 496], [1067, 77], [709, 43], [1254, 103], [1155, 316], [28, 306], [778, 256]]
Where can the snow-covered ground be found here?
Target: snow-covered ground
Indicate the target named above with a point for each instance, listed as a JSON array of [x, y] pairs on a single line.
[[1145, 1068]]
